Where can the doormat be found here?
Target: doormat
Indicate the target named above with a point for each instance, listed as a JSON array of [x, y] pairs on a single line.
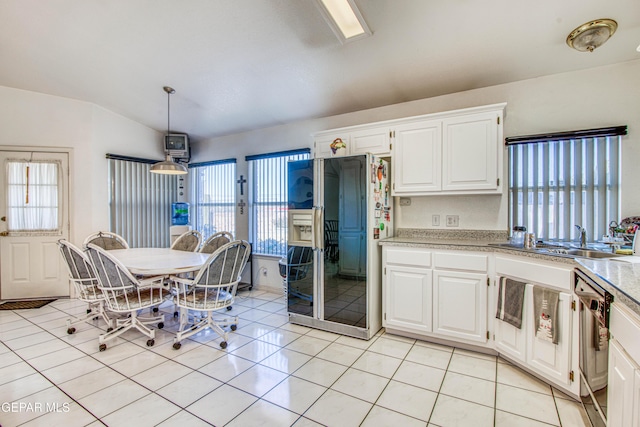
[[21, 305]]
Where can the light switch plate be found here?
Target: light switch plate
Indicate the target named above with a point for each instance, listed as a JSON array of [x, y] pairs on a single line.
[[405, 201], [435, 220]]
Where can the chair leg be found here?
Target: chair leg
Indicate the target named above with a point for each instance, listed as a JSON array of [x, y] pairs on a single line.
[[95, 310], [206, 322], [123, 325]]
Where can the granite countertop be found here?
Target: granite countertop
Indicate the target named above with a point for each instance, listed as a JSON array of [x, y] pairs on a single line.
[[622, 279]]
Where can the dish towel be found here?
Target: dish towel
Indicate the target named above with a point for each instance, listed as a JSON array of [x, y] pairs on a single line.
[[545, 310], [600, 337], [510, 301]]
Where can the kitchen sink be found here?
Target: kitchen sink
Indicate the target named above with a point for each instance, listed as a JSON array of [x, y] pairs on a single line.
[[586, 253], [559, 250]]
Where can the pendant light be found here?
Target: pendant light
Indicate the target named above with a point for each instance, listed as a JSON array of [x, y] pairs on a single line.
[[168, 167]]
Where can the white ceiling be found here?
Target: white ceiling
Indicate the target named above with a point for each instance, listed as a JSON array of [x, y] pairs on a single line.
[[238, 65]]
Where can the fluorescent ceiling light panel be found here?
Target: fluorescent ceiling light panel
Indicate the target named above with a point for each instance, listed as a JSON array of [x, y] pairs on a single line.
[[344, 18]]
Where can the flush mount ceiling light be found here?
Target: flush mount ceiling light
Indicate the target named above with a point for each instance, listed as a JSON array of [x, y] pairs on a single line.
[[587, 37], [168, 167], [344, 18]]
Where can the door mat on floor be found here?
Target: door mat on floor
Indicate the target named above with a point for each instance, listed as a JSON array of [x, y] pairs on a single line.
[[20, 305]]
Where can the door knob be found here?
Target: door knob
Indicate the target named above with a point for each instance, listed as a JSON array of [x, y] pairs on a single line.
[[4, 233], [4, 218]]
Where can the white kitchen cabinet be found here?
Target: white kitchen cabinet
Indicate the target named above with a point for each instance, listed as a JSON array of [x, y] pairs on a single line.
[[458, 152], [553, 361], [416, 158], [558, 363], [509, 340], [471, 152], [358, 140], [623, 390], [460, 305], [407, 289], [620, 391]]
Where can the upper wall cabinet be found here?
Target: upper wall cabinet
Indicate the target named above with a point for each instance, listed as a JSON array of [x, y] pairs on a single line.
[[459, 152], [351, 141]]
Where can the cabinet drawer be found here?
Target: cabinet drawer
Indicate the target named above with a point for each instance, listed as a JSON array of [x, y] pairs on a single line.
[[460, 261], [408, 256]]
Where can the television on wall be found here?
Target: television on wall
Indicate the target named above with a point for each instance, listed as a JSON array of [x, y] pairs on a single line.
[[177, 146]]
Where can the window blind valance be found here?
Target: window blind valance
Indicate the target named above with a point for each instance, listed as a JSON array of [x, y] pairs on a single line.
[[563, 136], [278, 154], [212, 163]]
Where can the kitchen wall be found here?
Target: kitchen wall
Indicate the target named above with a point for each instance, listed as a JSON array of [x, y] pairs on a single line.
[[598, 97], [30, 119]]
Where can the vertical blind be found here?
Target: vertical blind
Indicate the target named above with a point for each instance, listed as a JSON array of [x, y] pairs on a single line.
[[140, 201], [213, 195], [268, 200], [555, 185]]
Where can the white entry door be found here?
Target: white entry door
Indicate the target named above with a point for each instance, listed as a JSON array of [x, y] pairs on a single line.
[[33, 217]]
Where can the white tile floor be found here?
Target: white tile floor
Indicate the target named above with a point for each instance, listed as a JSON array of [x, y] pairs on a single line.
[[272, 374]]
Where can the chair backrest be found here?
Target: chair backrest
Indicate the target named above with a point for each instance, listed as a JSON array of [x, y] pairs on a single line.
[[225, 265], [188, 242], [299, 259], [110, 272], [81, 272], [215, 241], [106, 240]]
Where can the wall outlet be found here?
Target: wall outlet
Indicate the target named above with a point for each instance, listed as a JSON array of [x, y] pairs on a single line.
[[405, 201], [453, 220], [435, 220]]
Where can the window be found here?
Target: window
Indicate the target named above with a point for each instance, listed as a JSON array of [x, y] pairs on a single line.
[[32, 196], [140, 201], [214, 197], [559, 181], [268, 200]]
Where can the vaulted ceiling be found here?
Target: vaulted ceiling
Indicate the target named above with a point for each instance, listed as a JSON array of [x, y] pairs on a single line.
[[238, 65]]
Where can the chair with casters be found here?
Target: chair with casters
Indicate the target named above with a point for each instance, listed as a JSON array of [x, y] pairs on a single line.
[[212, 289], [215, 241], [85, 284], [106, 240], [188, 241], [126, 294], [293, 269], [331, 239]]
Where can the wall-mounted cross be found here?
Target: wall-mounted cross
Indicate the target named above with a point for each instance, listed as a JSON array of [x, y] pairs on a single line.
[[242, 204], [241, 181]]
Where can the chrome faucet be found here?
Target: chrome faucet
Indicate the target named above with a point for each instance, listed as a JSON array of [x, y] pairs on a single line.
[[583, 237]]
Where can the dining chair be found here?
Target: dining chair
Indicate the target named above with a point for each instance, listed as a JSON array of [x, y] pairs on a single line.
[[215, 241], [294, 268], [124, 293], [212, 289], [331, 239], [188, 241], [106, 240], [83, 277]]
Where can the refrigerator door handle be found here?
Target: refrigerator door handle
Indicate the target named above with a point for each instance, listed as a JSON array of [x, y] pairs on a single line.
[[318, 228]]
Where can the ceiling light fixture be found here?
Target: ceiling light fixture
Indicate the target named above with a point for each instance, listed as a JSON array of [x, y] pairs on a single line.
[[168, 167], [587, 37], [344, 18]]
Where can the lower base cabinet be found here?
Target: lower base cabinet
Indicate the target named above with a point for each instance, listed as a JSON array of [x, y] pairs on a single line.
[[623, 376], [460, 305], [407, 294]]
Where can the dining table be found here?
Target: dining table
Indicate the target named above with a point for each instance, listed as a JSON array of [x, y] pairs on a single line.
[[159, 261]]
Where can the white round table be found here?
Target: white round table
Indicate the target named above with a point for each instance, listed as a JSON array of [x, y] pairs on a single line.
[[159, 261]]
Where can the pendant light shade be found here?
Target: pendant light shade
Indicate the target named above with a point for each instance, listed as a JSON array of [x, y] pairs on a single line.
[[168, 167]]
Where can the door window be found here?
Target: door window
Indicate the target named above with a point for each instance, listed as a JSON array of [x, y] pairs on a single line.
[[33, 196]]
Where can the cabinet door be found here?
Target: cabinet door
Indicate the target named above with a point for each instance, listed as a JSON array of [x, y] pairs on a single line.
[[510, 340], [375, 141], [470, 153], [416, 158], [323, 145], [551, 360], [460, 305], [636, 398], [620, 387], [407, 298]]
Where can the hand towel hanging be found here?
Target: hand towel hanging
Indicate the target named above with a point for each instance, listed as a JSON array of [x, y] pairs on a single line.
[[510, 301], [545, 310]]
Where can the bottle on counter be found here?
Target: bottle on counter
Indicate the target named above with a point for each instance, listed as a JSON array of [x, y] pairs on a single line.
[[517, 236]]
